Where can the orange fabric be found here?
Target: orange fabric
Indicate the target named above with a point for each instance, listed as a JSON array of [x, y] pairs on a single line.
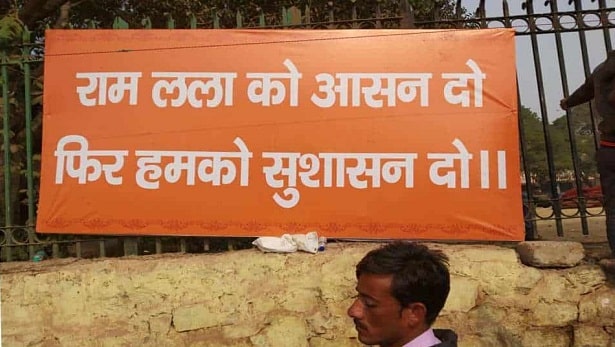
[[367, 168]]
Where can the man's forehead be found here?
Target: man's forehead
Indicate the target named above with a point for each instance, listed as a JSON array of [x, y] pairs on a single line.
[[374, 285]]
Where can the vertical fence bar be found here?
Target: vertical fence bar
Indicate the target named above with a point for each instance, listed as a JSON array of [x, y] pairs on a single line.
[[545, 119], [331, 16], [147, 23], [407, 15], [6, 141], [308, 14], [285, 21], [604, 21], [585, 56], [458, 23], [55, 250], [530, 215], [216, 20], [28, 116], [571, 133], [239, 20], [158, 245], [131, 244], [378, 16], [6, 135], [261, 19], [482, 14]]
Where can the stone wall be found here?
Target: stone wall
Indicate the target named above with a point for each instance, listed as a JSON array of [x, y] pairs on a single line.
[[247, 298]]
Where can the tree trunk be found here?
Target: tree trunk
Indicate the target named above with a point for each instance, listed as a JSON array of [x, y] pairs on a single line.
[[35, 10]]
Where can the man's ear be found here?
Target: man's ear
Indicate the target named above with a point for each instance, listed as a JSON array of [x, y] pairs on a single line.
[[414, 314]]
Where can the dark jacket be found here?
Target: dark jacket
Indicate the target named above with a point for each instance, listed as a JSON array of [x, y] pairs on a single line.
[[448, 337], [600, 86]]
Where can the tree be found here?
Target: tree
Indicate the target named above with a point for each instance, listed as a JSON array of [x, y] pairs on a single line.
[[536, 155], [582, 130], [36, 14]]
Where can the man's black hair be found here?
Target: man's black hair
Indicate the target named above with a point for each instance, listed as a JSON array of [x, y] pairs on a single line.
[[420, 274]]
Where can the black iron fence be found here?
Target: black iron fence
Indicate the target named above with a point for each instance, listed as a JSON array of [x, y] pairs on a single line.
[[557, 48]]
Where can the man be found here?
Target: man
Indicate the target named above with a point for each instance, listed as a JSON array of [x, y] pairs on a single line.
[[401, 289], [600, 86]]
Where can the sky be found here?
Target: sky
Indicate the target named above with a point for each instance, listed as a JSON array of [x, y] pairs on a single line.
[[526, 72]]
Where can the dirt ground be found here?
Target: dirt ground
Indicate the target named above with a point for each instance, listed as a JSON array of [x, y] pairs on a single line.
[[571, 225], [595, 243]]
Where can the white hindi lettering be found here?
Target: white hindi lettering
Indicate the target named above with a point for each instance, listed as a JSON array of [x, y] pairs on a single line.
[[460, 80], [217, 168], [346, 89], [190, 86], [485, 178], [111, 86], [268, 89], [283, 172], [291, 194], [446, 161], [88, 168]]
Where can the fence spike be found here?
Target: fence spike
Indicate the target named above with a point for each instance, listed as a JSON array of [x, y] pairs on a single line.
[[239, 20], [120, 23], [193, 22], [284, 16], [261, 19], [216, 20], [146, 22], [170, 22]]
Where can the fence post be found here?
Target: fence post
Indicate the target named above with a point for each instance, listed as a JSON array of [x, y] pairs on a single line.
[[407, 13], [147, 23], [170, 22], [131, 244], [193, 22], [28, 114], [261, 19], [308, 19], [239, 20], [216, 20], [120, 23], [6, 134], [285, 21]]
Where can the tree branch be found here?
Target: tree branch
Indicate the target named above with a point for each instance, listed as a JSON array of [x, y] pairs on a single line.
[[62, 21], [35, 10]]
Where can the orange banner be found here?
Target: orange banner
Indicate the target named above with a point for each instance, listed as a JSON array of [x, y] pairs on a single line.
[[375, 134]]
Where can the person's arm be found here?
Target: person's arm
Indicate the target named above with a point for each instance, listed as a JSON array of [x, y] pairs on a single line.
[[583, 94]]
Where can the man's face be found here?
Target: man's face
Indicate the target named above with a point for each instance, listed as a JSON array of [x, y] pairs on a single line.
[[377, 314]]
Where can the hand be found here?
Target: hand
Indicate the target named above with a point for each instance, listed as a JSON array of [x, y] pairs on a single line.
[[563, 104]]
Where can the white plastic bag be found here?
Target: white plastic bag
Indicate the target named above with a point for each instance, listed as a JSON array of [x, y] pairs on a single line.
[[284, 244], [306, 242]]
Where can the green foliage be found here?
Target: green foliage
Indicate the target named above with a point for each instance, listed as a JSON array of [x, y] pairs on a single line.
[[103, 12], [536, 154], [11, 31]]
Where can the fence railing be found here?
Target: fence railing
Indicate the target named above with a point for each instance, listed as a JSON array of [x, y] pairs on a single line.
[[21, 73]]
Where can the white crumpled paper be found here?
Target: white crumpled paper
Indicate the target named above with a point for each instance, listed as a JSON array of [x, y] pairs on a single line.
[[288, 243]]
